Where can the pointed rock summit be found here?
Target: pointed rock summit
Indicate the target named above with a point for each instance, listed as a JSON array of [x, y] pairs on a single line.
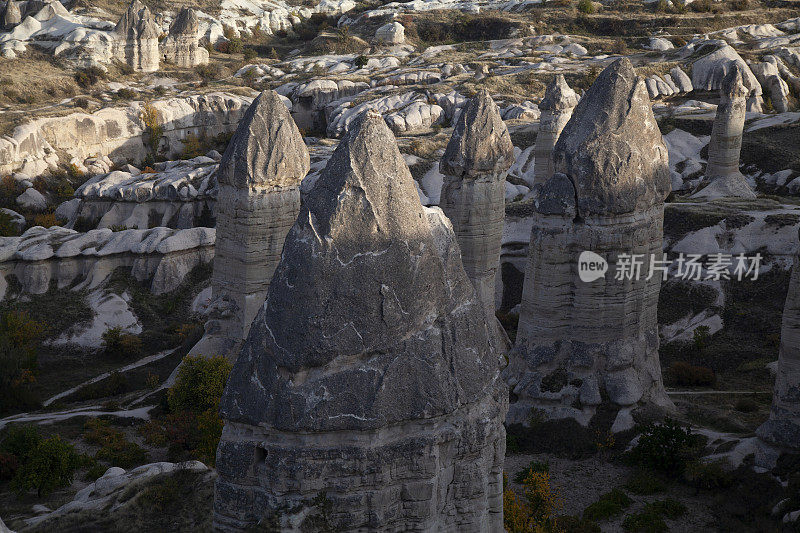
[[136, 38], [480, 143], [611, 149], [12, 15], [368, 373], [258, 200], [182, 46], [586, 338], [556, 107], [475, 165], [726, 141]]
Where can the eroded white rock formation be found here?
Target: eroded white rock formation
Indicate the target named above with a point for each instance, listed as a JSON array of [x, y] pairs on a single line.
[[368, 374], [726, 141], [182, 46], [136, 38], [475, 165], [580, 342], [257, 203], [556, 107], [782, 430], [11, 15]]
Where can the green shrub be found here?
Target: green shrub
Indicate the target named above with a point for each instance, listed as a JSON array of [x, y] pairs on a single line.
[[20, 441], [152, 128], [115, 448], [534, 466], [573, 524], [9, 464], [608, 505], [116, 343], [686, 374], [666, 447], [87, 77], [669, 508], [95, 472], [701, 6], [647, 521], [19, 340], [250, 53], [361, 61], [51, 466], [7, 226], [586, 7], [707, 475], [199, 384], [208, 72]]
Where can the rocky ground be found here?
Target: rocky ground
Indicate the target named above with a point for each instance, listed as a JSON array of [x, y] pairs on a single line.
[[108, 187]]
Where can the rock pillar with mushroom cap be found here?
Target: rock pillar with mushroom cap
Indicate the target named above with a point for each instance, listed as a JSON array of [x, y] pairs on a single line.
[[475, 164], [136, 38], [556, 107], [367, 380], [726, 141], [586, 340], [182, 45], [258, 201], [782, 431]]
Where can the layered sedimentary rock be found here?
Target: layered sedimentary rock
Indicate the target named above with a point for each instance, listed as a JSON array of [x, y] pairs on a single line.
[[783, 427], [257, 203], [475, 164], [118, 132], [581, 343], [556, 107], [182, 46], [726, 141], [136, 38], [368, 374]]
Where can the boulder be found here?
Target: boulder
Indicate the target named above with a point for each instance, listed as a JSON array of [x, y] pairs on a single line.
[[32, 199], [391, 33]]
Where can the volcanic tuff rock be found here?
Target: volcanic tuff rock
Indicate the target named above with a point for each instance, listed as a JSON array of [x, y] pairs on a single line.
[[258, 200], [475, 165], [783, 427], [136, 38], [11, 15], [376, 385], [726, 141], [182, 45], [556, 107], [579, 342]]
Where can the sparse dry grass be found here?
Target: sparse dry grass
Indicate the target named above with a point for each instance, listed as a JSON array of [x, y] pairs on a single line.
[[34, 79]]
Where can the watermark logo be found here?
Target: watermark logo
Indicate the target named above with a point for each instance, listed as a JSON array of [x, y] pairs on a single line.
[[591, 266], [694, 267]]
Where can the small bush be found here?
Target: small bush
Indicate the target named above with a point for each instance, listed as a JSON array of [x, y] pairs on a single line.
[[19, 340], [199, 384], [7, 226], [115, 448], [51, 466], [573, 524], [537, 511], [46, 220], [81, 102], [9, 464], [533, 467], [116, 343], [95, 472], [152, 127], [701, 6], [87, 77], [361, 61], [669, 508], [707, 476], [666, 447], [208, 72], [250, 54], [586, 7], [608, 505], [647, 521], [20, 441], [686, 374]]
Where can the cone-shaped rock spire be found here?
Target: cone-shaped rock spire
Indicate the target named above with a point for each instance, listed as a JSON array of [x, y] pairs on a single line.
[[368, 373], [12, 15], [182, 45], [258, 200], [475, 165], [136, 38], [782, 430], [583, 339], [556, 108], [726, 140]]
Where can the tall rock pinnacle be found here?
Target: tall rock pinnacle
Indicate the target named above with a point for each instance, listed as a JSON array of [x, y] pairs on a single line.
[[136, 38], [580, 341], [368, 374], [182, 46], [258, 200], [726, 140], [556, 107], [475, 165], [782, 431]]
